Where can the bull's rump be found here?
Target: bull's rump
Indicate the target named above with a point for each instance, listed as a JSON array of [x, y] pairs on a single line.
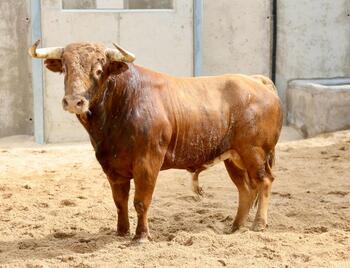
[[211, 115]]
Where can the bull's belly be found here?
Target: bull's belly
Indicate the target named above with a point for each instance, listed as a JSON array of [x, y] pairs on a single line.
[[196, 165], [205, 135], [192, 152]]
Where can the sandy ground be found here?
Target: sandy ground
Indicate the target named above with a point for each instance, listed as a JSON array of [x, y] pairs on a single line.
[[56, 210]]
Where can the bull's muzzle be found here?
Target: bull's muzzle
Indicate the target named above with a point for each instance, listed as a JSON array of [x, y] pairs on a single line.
[[75, 104]]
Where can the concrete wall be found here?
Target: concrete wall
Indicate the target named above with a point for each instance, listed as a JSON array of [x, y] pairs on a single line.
[[161, 40], [16, 102], [313, 40], [319, 106], [237, 37]]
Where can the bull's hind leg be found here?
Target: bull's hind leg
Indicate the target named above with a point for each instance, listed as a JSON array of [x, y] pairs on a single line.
[[246, 195], [260, 221], [257, 164]]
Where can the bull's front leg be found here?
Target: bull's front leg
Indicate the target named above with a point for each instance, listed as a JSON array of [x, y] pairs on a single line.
[[145, 176], [120, 190]]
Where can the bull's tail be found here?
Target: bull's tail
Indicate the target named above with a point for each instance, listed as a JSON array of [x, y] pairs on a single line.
[[256, 199], [271, 159], [195, 184]]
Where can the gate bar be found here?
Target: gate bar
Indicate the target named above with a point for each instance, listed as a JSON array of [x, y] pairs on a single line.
[[37, 76], [197, 32], [274, 41]]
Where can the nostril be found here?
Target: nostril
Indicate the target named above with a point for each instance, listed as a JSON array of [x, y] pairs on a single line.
[[64, 102], [80, 103]]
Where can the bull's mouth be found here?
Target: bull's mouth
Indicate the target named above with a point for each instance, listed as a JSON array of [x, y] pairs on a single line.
[[79, 112]]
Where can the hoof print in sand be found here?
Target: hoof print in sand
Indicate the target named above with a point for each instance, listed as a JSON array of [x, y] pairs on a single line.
[[67, 203], [339, 193], [63, 235], [84, 245], [27, 245], [316, 230]]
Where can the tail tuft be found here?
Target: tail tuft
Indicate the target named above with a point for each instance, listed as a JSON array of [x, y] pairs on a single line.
[[195, 184], [256, 199]]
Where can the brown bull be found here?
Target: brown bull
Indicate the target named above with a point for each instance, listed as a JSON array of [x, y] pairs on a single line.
[[141, 122]]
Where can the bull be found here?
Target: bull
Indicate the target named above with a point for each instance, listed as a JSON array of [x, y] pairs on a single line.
[[141, 121]]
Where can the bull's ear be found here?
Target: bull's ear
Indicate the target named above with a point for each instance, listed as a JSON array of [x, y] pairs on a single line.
[[54, 65], [118, 67]]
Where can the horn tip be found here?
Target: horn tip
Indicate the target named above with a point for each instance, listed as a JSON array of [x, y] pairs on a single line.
[[32, 49]]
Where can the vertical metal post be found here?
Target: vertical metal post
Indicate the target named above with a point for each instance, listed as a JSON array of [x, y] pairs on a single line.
[[37, 76], [274, 40], [197, 29]]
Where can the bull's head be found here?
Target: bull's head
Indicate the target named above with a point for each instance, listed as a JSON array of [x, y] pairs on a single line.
[[84, 66]]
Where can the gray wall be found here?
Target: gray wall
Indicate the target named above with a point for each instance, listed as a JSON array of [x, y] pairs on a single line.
[[16, 102], [313, 40], [237, 37]]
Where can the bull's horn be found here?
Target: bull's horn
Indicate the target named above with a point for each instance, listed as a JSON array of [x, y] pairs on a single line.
[[120, 54], [45, 53]]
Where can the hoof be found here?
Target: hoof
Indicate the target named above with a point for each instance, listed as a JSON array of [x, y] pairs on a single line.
[[123, 233], [142, 238], [259, 225], [235, 228]]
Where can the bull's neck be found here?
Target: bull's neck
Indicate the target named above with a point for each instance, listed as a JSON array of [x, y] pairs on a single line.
[[113, 103]]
